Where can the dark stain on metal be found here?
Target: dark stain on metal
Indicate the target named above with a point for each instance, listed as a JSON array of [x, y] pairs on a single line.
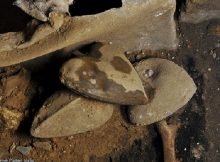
[[120, 65], [96, 81]]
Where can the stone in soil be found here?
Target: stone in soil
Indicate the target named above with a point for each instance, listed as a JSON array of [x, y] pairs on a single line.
[[10, 119], [65, 114], [200, 10], [24, 150], [170, 89], [43, 145], [106, 76]]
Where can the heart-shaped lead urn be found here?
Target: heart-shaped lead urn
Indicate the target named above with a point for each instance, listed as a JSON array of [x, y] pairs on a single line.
[[170, 89], [65, 114], [107, 76]]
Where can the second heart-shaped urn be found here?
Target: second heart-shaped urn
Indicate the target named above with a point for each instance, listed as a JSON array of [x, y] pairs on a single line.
[[106, 75]]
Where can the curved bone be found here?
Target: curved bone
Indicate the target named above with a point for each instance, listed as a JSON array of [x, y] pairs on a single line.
[[20, 40], [137, 25]]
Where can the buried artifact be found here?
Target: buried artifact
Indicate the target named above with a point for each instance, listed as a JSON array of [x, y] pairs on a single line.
[[65, 114], [167, 93], [170, 89], [106, 75]]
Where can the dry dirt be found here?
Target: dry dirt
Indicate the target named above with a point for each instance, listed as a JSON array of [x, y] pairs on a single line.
[[198, 139]]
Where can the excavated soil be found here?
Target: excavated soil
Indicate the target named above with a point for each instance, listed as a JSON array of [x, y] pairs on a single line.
[[198, 138]]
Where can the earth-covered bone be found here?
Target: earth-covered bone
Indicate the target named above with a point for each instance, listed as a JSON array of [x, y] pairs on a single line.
[[17, 92], [65, 114], [40, 9], [107, 76], [197, 11], [170, 86], [138, 24]]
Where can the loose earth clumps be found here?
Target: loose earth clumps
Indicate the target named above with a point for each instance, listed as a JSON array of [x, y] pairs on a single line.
[[17, 91]]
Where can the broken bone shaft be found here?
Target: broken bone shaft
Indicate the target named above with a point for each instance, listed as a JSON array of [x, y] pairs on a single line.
[[168, 134]]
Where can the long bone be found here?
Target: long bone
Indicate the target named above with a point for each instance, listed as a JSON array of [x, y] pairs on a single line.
[[138, 24], [168, 133]]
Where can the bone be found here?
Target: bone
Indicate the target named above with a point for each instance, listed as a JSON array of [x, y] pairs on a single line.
[[168, 133], [106, 75], [40, 9], [137, 25], [32, 34]]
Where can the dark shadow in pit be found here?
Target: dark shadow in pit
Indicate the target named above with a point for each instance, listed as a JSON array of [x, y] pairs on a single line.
[[85, 7], [191, 136], [180, 7], [124, 113], [45, 72], [12, 18]]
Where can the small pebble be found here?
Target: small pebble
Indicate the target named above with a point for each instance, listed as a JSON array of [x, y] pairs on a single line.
[[148, 73], [12, 147], [24, 150], [209, 69], [43, 145], [214, 55], [93, 81]]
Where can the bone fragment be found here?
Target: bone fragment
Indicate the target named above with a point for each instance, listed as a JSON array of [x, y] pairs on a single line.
[[137, 25]]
